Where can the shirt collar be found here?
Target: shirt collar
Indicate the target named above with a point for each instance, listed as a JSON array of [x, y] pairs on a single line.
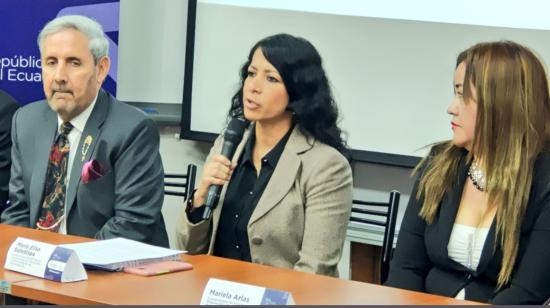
[[247, 154], [272, 157], [79, 122]]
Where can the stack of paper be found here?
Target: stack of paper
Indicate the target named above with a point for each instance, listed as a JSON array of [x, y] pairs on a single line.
[[114, 254]]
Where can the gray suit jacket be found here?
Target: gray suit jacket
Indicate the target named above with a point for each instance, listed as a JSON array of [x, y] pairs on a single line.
[[7, 109], [301, 218], [125, 202]]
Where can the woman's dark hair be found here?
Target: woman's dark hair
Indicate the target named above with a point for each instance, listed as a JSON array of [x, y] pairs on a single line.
[[310, 97]]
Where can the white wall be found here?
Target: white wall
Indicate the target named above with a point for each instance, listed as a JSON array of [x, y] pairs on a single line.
[[151, 49], [391, 77]]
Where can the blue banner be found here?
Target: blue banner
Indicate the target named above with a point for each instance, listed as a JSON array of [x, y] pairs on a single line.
[[22, 20]]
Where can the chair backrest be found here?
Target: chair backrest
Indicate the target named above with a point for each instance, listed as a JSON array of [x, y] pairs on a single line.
[[366, 211], [180, 184]]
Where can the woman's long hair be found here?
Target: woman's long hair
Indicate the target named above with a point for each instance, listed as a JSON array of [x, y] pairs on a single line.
[[309, 93], [513, 112]]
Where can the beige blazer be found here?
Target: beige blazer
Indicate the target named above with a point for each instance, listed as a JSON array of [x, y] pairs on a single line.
[[301, 218]]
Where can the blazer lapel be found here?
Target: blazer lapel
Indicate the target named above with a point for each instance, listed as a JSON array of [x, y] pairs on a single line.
[[284, 174], [488, 250], [88, 141], [448, 212], [217, 212], [448, 217], [43, 141]]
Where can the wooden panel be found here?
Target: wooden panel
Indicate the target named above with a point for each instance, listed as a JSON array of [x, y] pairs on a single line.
[[185, 288], [365, 262]]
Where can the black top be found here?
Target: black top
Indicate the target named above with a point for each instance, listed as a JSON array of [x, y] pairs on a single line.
[[243, 193], [421, 261], [7, 109]]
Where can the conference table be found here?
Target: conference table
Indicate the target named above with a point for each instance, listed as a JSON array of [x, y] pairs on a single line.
[[185, 288]]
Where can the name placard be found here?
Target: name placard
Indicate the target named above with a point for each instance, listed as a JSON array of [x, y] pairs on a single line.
[[44, 260], [223, 292]]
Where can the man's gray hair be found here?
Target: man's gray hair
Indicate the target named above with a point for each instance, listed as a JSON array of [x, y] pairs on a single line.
[[98, 44]]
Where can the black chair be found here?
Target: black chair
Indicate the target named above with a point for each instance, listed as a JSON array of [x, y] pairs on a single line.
[[365, 212], [180, 184]]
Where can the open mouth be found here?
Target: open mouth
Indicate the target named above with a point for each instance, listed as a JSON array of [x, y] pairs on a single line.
[[251, 104]]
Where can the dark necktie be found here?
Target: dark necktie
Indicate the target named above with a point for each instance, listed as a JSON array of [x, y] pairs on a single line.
[[53, 206]]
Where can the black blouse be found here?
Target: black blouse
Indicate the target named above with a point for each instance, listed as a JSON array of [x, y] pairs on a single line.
[[243, 193]]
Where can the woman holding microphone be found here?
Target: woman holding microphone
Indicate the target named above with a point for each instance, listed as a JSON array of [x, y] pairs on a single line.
[[287, 192]]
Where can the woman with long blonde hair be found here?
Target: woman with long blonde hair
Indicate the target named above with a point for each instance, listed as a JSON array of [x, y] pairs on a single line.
[[477, 225]]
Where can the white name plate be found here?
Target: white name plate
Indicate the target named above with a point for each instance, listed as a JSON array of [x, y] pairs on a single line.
[[45, 261], [223, 292]]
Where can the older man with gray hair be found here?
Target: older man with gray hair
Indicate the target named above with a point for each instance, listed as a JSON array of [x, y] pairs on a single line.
[[84, 163]]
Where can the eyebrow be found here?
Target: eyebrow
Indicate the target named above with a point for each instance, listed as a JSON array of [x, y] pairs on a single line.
[[266, 70]]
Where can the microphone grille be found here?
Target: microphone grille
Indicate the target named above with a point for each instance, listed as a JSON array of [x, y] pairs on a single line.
[[235, 129]]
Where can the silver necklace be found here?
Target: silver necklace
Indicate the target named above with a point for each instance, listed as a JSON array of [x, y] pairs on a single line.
[[477, 176]]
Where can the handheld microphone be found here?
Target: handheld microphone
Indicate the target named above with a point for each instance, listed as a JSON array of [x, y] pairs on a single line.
[[231, 139]]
